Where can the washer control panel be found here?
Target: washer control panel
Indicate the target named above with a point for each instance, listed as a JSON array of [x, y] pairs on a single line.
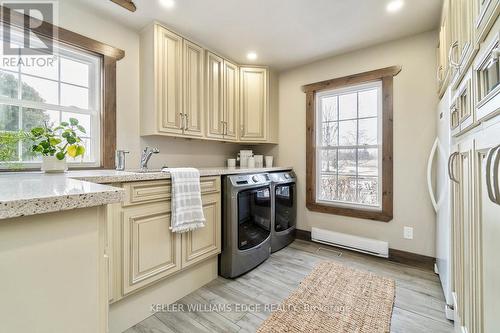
[[252, 179], [287, 176]]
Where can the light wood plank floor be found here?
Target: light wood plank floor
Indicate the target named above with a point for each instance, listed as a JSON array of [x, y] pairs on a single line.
[[419, 305]]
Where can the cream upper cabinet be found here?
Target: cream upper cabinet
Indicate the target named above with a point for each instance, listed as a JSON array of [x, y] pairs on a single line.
[[193, 89], [231, 101], [254, 107], [214, 95], [169, 80], [190, 92], [487, 12], [443, 49], [172, 71], [463, 46]]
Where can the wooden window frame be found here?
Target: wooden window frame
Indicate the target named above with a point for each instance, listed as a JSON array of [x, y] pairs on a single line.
[[385, 75], [109, 56]]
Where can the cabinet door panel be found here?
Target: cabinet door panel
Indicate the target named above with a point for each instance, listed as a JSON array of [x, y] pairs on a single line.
[[214, 95], [150, 250], [490, 246], [231, 101], [193, 89], [486, 12], [169, 80], [254, 104], [204, 242]]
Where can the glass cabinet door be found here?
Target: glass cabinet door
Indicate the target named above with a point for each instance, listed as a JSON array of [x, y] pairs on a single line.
[[254, 217]]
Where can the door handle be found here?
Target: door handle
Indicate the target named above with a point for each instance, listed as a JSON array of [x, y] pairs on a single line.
[[493, 189], [186, 118], [495, 175], [451, 159], [453, 64], [182, 124], [439, 78], [429, 174]]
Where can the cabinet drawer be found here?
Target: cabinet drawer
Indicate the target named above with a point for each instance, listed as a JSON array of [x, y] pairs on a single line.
[[158, 190]]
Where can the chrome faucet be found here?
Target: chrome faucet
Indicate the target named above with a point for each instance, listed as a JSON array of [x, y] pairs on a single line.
[[145, 156]]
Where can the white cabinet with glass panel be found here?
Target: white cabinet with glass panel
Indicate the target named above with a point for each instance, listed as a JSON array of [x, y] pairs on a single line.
[[349, 144], [42, 89], [487, 12], [487, 75]]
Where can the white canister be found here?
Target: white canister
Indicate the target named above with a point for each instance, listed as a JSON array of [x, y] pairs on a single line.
[[269, 161], [244, 155], [231, 162], [50, 164], [251, 162], [259, 161]]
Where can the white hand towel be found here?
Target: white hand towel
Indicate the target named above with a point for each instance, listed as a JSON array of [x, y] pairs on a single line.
[[187, 210]]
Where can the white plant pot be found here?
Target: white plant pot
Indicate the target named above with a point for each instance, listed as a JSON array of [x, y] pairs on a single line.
[[50, 164]]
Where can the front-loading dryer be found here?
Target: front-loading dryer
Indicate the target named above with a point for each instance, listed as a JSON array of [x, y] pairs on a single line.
[[284, 203]]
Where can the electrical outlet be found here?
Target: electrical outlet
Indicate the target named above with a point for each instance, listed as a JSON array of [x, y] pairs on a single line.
[[408, 233]]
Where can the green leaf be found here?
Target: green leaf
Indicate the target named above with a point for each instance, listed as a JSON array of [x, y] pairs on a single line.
[[64, 124], [37, 131], [54, 141], [71, 140], [81, 128], [80, 151], [66, 134], [60, 156], [72, 151], [73, 121]]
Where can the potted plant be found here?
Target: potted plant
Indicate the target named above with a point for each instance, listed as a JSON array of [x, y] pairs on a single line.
[[55, 144]]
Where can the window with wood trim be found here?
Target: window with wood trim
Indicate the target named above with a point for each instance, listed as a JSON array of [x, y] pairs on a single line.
[[76, 79], [349, 145]]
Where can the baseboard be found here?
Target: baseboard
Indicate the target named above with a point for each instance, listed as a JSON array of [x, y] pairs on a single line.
[[412, 259], [402, 257]]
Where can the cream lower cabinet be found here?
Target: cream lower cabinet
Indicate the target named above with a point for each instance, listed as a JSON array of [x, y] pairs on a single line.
[[151, 251], [254, 107], [145, 249], [475, 167], [203, 243], [464, 260]]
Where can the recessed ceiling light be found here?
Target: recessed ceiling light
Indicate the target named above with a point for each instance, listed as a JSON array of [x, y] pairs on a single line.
[[395, 6], [167, 3], [251, 55]]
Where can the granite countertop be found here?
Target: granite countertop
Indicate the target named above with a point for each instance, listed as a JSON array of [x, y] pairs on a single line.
[[31, 193]]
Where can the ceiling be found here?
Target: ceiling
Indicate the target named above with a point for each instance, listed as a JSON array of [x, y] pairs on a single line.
[[284, 33]]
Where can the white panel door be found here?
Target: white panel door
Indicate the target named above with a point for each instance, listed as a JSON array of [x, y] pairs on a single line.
[[254, 107]]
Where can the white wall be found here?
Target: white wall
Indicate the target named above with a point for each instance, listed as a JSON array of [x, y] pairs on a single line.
[[173, 152], [415, 103]]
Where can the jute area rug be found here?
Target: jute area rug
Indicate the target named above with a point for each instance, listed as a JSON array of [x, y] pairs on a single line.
[[335, 298]]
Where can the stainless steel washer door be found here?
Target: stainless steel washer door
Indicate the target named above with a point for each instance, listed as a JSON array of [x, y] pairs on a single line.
[[285, 209], [254, 217]]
